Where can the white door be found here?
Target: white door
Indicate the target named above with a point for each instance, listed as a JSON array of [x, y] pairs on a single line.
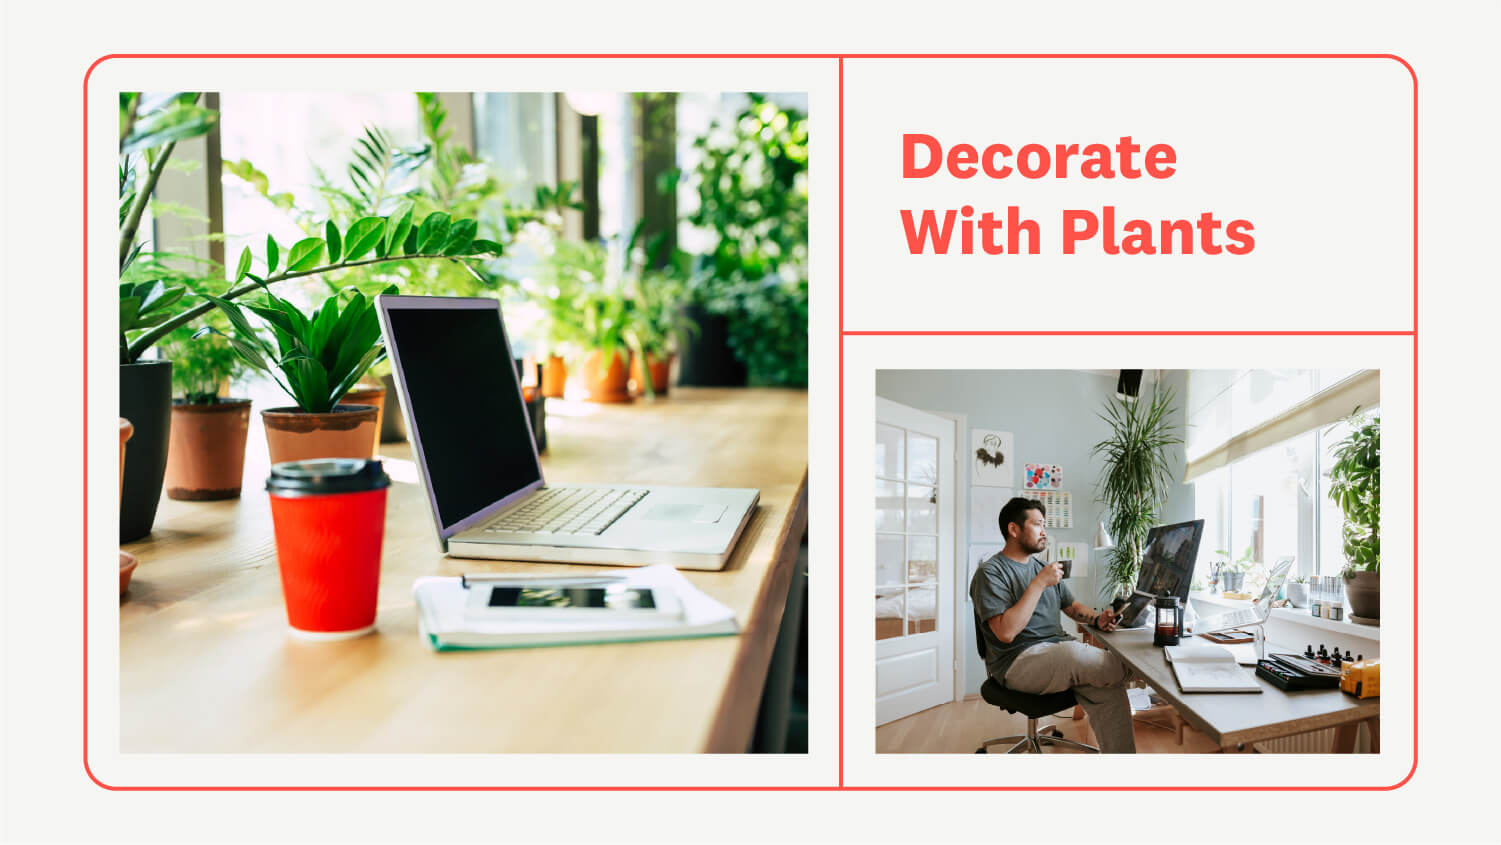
[[915, 579]]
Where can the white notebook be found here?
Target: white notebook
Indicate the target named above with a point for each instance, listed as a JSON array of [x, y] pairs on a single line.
[[1205, 667], [443, 624]]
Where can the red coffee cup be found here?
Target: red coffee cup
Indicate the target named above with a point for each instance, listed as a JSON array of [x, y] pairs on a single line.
[[330, 516]]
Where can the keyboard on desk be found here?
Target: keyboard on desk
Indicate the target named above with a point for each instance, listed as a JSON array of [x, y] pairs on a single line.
[[1227, 621], [567, 510]]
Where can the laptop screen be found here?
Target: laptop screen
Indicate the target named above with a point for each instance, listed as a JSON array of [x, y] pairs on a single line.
[[469, 423]]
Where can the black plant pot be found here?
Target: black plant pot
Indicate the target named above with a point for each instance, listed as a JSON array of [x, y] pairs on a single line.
[[145, 400], [392, 428], [705, 359]]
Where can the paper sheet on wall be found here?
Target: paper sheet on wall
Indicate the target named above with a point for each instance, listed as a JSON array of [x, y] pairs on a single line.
[[984, 511]]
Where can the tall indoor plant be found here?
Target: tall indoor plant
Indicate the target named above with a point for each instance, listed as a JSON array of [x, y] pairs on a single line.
[[1136, 477], [150, 127], [1355, 485]]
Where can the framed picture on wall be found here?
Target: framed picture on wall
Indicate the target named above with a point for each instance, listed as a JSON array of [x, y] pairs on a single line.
[[1044, 477], [991, 458]]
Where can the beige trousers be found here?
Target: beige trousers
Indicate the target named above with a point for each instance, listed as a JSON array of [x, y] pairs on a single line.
[[1097, 677]]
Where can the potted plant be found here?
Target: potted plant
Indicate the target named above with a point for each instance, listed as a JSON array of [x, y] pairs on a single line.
[[1355, 485], [1297, 591], [206, 458], [1234, 571], [589, 313], [1135, 478], [149, 296], [606, 317], [656, 319], [319, 358]]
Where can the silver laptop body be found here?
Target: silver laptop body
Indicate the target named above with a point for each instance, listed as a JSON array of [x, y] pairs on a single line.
[[476, 453], [1257, 613]]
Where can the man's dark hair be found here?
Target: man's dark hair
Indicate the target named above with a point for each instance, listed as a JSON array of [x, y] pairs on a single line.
[[1015, 512]]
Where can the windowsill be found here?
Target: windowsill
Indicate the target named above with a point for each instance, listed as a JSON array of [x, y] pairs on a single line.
[[1290, 615], [1301, 616], [1218, 600]]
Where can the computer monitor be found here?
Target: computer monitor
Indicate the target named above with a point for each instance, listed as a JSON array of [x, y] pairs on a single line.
[[1167, 562]]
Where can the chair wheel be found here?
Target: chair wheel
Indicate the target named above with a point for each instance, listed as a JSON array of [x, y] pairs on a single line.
[[981, 750], [1057, 733]]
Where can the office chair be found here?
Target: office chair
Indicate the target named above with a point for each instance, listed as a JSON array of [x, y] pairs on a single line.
[[1032, 706]]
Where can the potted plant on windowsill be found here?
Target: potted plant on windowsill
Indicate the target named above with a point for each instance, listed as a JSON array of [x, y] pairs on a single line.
[[1297, 591], [206, 458], [1355, 485], [1135, 478], [318, 357]]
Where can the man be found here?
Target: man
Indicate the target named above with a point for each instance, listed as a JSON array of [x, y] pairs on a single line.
[[1019, 597]]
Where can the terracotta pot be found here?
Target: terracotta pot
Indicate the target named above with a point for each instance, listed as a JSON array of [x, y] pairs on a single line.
[[606, 383], [658, 367], [127, 568], [1363, 592], [293, 434], [206, 458], [369, 394], [554, 377], [126, 429], [127, 560]]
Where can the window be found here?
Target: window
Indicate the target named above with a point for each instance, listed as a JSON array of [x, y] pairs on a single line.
[[906, 464], [1267, 500]]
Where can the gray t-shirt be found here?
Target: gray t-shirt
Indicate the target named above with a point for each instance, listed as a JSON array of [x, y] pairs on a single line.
[[998, 584]]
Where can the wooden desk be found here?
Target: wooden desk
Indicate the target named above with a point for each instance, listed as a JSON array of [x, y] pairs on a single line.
[[208, 665], [1235, 720]]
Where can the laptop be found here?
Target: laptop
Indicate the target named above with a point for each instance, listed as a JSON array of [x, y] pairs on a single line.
[[1255, 614], [474, 448]]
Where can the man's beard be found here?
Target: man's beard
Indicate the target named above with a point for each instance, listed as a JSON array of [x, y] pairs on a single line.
[[1036, 548]]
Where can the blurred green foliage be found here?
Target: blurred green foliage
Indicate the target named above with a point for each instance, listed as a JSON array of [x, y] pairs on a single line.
[[753, 195]]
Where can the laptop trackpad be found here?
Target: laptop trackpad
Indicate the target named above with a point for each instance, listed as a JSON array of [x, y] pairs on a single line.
[[684, 512]]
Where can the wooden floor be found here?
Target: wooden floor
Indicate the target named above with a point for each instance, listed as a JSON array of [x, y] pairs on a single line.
[[962, 726]]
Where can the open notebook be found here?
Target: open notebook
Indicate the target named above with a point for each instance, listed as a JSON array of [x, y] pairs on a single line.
[[1205, 667], [443, 624]]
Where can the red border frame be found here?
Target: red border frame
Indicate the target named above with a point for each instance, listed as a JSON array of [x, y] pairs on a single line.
[[843, 333]]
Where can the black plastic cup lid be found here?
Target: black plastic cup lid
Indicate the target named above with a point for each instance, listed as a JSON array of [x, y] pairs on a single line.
[[324, 476]]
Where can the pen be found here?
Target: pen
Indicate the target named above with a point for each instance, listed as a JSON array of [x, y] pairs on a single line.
[[540, 579]]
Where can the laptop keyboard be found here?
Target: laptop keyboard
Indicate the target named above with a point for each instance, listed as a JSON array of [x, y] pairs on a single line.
[[567, 510], [1235, 619]]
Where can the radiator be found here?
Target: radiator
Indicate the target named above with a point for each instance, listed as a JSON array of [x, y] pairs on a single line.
[[1313, 742]]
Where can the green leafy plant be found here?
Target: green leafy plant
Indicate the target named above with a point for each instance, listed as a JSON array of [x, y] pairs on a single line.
[[1355, 485], [150, 127], [319, 356], [201, 365], [1243, 563], [1136, 478], [369, 241], [753, 195], [586, 311]]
